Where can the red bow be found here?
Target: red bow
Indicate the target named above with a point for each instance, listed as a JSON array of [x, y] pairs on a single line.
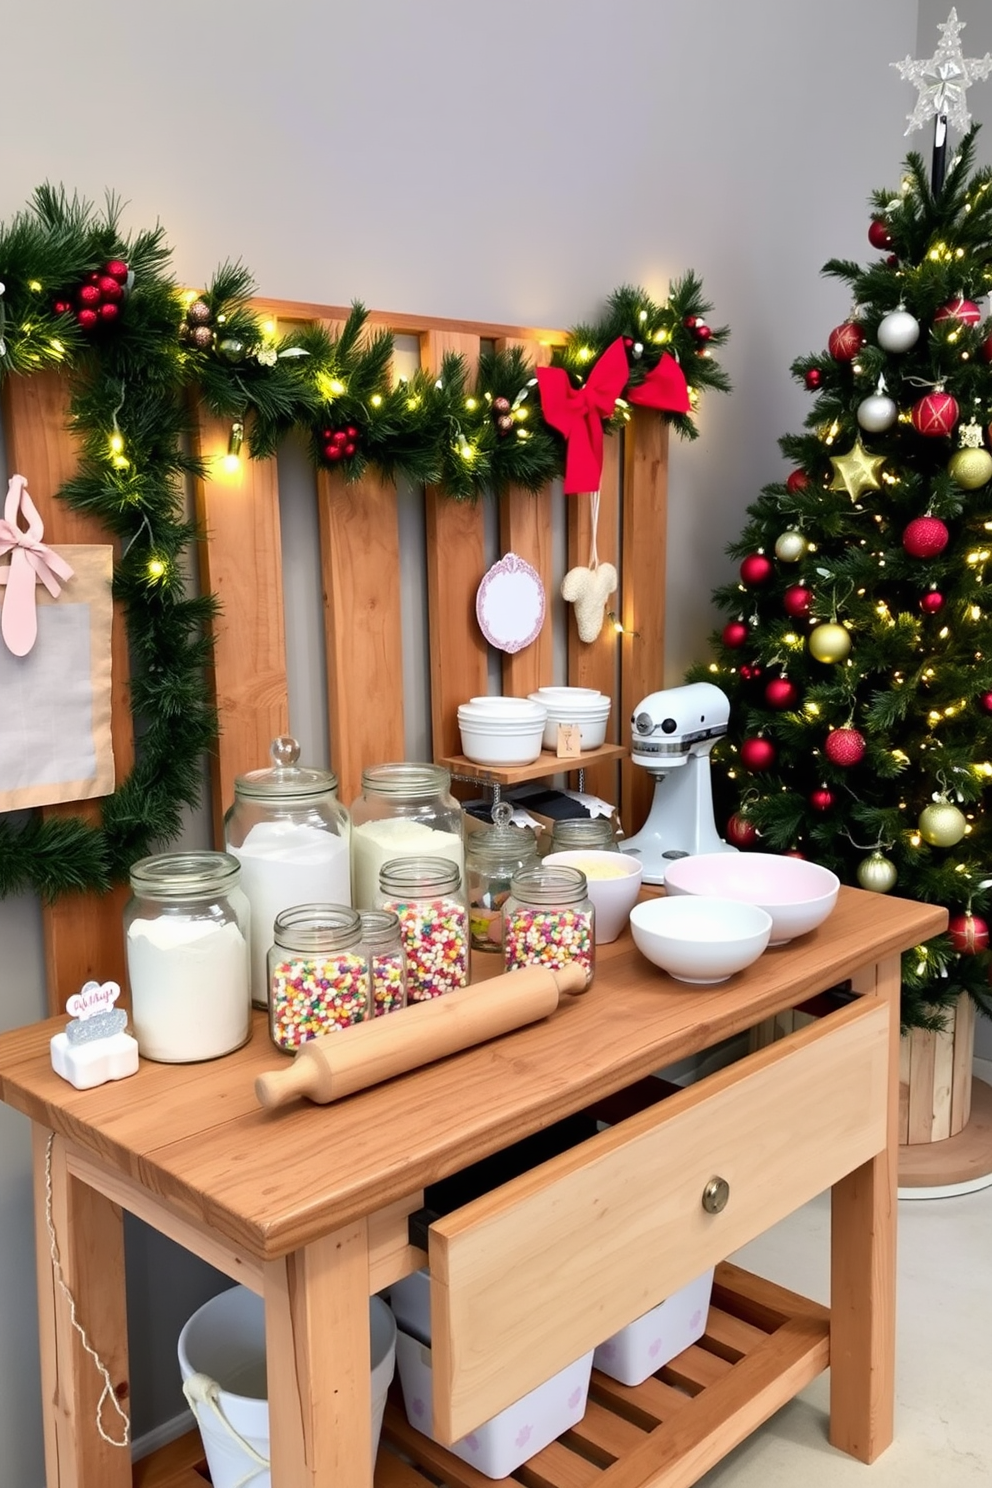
[[578, 413]]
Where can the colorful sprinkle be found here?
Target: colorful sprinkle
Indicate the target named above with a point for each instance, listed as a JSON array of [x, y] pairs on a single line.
[[547, 937], [435, 937], [316, 995], [388, 984]]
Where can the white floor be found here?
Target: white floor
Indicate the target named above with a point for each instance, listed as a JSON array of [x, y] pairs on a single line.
[[944, 1378]]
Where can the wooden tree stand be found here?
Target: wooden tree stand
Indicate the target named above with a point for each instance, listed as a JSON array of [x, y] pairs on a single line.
[[945, 1115]]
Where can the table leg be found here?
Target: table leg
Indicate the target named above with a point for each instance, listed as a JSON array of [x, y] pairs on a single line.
[[863, 1269], [89, 1233], [318, 1363]]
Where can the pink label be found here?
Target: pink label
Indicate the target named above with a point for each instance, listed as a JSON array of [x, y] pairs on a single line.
[[93, 997]]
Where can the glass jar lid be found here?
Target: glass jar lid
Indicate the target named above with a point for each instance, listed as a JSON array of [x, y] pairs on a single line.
[[421, 877], [285, 778], [501, 843], [317, 927], [380, 927], [184, 875], [402, 779], [555, 883]]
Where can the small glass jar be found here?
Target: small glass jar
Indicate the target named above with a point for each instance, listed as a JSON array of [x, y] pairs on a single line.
[[427, 897], [318, 973], [584, 833], [383, 942], [291, 835], [186, 935], [548, 919], [492, 856], [404, 810]]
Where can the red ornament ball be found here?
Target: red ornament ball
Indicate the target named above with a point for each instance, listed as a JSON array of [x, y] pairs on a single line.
[[797, 480], [932, 602], [108, 312], [893, 260], [878, 234], [333, 451], [796, 600], [87, 319], [88, 295], [935, 415], [845, 746], [822, 799], [925, 537], [117, 269], [741, 832], [735, 633], [756, 569], [757, 754], [793, 852], [702, 332], [814, 377], [350, 448], [845, 341], [781, 693], [965, 311], [968, 933], [690, 322], [985, 702], [109, 288]]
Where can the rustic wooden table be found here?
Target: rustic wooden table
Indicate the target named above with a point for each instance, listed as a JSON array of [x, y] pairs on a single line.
[[308, 1206]]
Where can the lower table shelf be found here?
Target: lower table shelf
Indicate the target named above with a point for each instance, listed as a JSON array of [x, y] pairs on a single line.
[[761, 1346]]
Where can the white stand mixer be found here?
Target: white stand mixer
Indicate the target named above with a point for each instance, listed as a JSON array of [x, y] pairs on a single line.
[[672, 734]]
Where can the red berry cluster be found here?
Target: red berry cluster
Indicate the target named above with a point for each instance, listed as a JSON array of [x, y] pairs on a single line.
[[97, 301], [699, 329], [340, 444]]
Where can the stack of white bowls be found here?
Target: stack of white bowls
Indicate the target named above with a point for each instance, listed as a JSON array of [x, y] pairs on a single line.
[[582, 705], [502, 730]]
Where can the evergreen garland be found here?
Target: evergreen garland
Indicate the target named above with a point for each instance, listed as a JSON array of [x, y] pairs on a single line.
[[131, 374]]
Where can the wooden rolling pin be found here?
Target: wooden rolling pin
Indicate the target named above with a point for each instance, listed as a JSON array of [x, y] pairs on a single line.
[[336, 1064]]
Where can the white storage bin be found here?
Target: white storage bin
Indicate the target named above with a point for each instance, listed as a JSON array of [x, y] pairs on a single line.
[[499, 1446], [656, 1337]]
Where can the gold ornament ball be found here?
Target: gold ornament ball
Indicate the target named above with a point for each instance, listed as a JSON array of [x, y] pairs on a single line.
[[829, 642], [790, 546], [877, 874], [971, 468], [942, 825]]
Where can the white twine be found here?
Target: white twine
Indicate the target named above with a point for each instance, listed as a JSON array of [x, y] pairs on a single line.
[[594, 529], [200, 1389], [108, 1392]]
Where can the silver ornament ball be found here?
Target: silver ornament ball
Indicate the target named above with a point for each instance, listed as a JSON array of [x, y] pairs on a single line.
[[790, 546], [898, 331], [877, 413], [877, 874]]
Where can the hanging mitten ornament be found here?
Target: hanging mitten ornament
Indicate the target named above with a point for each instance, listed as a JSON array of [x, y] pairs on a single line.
[[588, 589]]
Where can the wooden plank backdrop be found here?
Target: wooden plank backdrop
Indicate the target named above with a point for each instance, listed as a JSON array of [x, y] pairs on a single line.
[[361, 562]]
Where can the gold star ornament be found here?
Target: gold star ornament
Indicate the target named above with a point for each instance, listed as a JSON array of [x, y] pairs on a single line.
[[857, 471]]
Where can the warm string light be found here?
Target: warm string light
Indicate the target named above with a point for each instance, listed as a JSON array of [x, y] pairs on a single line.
[[232, 460], [619, 626]]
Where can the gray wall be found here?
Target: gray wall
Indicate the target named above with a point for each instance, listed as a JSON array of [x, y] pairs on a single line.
[[513, 164]]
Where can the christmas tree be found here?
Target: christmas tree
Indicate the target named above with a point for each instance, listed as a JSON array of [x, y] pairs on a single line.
[[857, 653]]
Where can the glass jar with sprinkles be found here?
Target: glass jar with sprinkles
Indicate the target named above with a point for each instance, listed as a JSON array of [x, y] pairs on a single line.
[[387, 960], [427, 897], [584, 833], [318, 973], [548, 920]]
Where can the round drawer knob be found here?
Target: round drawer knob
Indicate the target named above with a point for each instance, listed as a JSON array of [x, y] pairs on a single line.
[[715, 1195]]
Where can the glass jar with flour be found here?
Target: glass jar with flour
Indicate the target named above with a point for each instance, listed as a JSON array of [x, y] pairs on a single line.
[[405, 810], [291, 835], [186, 934]]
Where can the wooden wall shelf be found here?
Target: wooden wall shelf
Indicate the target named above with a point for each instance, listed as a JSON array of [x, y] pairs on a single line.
[[546, 765]]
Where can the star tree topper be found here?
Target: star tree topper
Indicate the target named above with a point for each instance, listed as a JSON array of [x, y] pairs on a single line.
[[951, 76], [857, 471]]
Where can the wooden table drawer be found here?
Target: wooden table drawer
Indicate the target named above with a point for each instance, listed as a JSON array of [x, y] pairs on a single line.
[[530, 1276]]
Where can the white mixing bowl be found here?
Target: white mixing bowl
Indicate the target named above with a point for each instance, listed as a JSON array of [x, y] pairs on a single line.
[[700, 940], [614, 881], [797, 894]]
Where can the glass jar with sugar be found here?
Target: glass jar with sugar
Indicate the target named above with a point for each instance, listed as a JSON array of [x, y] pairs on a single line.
[[186, 936], [404, 810], [291, 835]]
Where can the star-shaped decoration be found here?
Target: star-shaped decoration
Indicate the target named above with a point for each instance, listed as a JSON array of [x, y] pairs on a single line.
[[857, 471], [944, 78]]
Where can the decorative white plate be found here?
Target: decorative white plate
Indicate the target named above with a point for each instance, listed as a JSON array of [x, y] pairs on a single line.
[[510, 605]]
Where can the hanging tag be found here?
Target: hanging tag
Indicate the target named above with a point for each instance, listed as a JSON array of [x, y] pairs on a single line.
[[569, 741]]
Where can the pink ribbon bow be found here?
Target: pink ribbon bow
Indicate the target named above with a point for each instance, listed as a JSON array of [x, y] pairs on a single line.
[[31, 562]]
